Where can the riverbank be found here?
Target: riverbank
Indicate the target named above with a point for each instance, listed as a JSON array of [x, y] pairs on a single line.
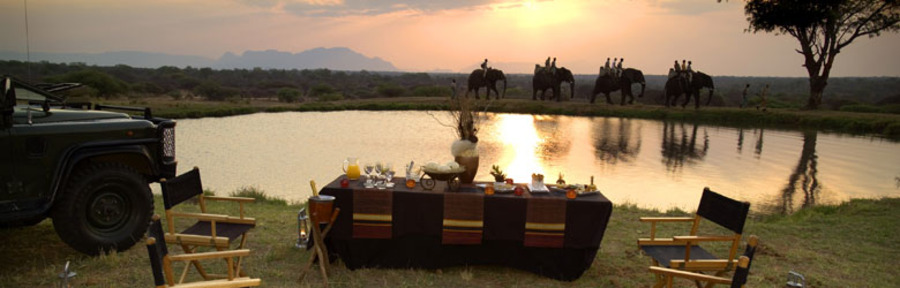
[[883, 125], [848, 245]]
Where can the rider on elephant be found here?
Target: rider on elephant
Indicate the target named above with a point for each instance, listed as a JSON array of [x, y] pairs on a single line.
[[619, 68], [689, 71], [553, 67], [484, 68], [677, 67]]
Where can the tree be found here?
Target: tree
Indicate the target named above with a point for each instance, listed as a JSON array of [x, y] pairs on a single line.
[[823, 28]]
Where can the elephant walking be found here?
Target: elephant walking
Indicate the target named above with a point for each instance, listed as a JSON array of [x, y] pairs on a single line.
[[544, 80], [680, 85], [675, 87], [608, 83], [699, 80], [479, 79]]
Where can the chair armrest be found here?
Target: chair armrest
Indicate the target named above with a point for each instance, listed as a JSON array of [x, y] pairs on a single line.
[[201, 216], [704, 238], [666, 219], [210, 255], [229, 198], [688, 275]]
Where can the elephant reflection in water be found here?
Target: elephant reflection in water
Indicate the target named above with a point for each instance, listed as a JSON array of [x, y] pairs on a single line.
[[553, 131], [616, 140], [679, 146], [803, 178]]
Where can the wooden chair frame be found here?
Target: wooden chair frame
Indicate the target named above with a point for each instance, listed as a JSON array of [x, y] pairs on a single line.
[[164, 276], [667, 275], [711, 204], [217, 222]]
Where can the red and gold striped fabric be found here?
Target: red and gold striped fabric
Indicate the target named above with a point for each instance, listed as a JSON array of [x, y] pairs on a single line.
[[463, 221], [545, 222], [372, 213]]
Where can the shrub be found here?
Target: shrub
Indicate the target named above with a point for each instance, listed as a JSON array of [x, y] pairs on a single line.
[[336, 96], [861, 108], [390, 90], [289, 95], [432, 91]]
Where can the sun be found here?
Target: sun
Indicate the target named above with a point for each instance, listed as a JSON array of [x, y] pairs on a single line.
[[530, 5]]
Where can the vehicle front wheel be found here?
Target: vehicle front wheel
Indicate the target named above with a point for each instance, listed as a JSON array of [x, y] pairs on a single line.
[[105, 207]]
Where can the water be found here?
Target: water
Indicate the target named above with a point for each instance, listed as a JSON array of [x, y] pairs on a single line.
[[649, 163]]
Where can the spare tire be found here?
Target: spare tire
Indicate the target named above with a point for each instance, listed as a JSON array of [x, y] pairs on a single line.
[[104, 207]]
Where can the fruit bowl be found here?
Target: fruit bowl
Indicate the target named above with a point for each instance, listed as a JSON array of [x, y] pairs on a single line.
[[451, 176]]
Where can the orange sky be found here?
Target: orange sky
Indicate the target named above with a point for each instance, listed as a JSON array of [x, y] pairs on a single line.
[[438, 35]]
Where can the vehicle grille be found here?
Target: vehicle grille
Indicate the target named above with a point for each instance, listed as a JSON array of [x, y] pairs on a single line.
[[168, 143]]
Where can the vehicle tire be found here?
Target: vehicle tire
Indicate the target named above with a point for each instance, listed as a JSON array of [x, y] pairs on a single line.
[[105, 207]]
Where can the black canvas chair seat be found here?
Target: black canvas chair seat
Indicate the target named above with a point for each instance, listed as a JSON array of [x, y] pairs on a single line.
[[664, 254], [231, 230], [666, 276]]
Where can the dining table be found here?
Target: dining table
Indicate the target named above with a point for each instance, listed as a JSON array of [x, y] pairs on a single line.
[[543, 232]]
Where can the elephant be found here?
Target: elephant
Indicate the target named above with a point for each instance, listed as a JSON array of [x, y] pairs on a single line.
[[607, 84], [488, 80], [544, 80], [699, 80], [675, 87]]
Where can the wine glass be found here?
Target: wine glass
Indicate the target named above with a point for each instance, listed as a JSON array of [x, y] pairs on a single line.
[[389, 172], [369, 169], [379, 170]]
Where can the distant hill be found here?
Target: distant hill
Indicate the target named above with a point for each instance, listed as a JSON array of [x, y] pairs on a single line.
[[337, 58]]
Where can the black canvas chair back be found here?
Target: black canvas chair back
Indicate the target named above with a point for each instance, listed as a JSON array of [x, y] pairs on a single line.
[[727, 212], [182, 188]]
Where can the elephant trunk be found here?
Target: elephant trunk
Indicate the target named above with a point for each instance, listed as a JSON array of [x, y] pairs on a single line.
[[643, 85], [708, 100], [503, 95]]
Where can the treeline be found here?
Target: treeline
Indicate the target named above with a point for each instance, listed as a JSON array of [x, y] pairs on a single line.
[[846, 93]]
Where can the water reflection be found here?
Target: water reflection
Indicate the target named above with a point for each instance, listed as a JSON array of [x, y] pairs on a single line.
[[680, 147], [553, 133], [759, 141], [616, 140], [521, 141], [803, 179]]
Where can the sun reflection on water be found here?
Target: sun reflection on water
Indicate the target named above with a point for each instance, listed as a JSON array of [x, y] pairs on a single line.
[[521, 141]]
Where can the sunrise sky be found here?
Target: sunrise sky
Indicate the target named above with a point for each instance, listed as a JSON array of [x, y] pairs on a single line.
[[453, 35]]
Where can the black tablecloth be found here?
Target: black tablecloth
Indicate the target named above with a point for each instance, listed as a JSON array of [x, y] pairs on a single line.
[[417, 223]]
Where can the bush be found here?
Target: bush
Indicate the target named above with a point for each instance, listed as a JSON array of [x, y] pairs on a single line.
[[321, 89], [289, 95], [390, 90]]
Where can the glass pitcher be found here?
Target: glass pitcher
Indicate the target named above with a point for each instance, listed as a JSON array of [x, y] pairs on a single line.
[[351, 168]]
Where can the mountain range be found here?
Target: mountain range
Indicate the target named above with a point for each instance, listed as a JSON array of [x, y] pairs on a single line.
[[336, 58]]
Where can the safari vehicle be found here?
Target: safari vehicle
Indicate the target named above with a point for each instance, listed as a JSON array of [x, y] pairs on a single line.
[[88, 170]]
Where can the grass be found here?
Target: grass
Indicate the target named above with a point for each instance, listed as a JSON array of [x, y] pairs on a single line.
[[853, 122], [849, 245]]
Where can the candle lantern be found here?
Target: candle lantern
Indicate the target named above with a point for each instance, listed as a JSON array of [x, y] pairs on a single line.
[[302, 229]]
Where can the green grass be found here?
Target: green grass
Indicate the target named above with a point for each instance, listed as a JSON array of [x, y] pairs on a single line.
[[853, 122], [850, 245]]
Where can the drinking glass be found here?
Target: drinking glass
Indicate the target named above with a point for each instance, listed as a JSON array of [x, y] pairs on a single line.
[[369, 169], [389, 172], [379, 170]]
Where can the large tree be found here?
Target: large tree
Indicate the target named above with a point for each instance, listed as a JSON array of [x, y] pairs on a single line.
[[823, 28]]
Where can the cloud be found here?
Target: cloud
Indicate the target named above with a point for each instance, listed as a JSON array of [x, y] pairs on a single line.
[[338, 8]]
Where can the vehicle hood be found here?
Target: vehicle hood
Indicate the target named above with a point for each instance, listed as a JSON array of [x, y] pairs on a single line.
[[63, 115]]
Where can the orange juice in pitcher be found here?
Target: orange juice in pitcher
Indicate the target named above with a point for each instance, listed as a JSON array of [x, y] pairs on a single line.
[[351, 167]]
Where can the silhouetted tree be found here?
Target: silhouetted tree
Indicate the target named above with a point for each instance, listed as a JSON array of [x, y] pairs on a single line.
[[823, 28]]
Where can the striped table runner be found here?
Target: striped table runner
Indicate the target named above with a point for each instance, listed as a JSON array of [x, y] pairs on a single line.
[[545, 222], [372, 213], [463, 218]]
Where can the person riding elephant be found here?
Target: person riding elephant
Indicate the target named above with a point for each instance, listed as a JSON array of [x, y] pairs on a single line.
[[488, 79], [544, 80], [484, 67], [608, 83]]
